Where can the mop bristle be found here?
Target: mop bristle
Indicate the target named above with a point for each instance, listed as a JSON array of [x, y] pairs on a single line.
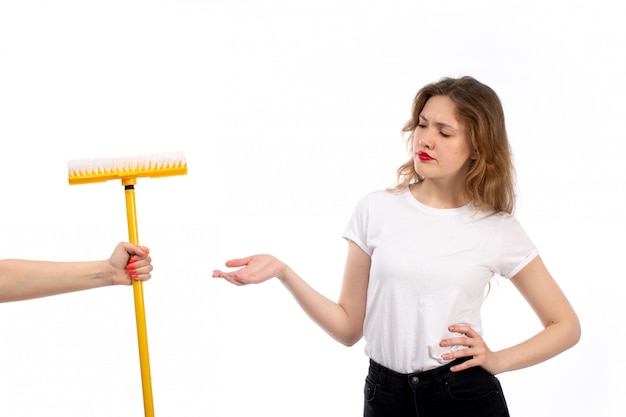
[[83, 171]]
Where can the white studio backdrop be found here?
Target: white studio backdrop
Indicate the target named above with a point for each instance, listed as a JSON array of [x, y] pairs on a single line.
[[288, 113]]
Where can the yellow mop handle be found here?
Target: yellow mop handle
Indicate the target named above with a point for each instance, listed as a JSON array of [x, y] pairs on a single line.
[[128, 169], [140, 314]]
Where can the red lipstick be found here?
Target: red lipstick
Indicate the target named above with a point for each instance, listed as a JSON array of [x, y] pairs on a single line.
[[423, 156]]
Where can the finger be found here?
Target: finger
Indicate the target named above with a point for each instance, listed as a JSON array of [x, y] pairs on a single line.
[[145, 269], [135, 263], [138, 253], [234, 263], [463, 328], [134, 269], [232, 279], [132, 249], [141, 277], [474, 359], [132, 272], [220, 274], [465, 365], [454, 341], [140, 262], [141, 273]]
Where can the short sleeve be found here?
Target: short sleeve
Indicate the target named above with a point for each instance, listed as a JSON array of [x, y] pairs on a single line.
[[356, 230], [516, 248]]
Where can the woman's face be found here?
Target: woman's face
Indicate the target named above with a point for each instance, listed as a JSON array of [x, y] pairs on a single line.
[[441, 149]]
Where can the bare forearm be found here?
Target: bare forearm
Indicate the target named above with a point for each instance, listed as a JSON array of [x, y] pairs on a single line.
[[24, 279], [329, 315], [550, 342], [342, 320]]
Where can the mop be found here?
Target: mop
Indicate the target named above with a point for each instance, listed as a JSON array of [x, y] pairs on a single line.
[[128, 169]]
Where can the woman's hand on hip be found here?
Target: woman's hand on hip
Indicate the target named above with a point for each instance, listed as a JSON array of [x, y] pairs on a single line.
[[475, 347]]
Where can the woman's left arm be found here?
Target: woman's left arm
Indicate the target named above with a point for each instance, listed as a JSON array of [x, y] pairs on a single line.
[[561, 327]]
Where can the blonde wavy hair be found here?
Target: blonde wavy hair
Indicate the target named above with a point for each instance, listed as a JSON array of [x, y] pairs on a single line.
[[489, 183]]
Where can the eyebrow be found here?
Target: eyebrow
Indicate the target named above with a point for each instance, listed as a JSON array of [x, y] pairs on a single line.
[[439, 124]]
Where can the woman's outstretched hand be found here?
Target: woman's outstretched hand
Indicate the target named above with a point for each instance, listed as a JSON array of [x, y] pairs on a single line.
[[253, 270]]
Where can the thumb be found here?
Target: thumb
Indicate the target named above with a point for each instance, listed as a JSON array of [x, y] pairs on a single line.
[[136, 250], [234, 263]]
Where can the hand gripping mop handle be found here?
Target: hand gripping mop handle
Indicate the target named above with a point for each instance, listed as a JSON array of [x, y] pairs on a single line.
[[128, 170]]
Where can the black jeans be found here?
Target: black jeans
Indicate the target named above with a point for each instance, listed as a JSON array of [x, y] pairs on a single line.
[[435, 393]]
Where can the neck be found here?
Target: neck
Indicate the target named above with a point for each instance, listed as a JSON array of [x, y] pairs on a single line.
[[435, 195]]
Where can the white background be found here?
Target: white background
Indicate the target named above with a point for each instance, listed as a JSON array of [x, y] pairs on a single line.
[[288, 113]]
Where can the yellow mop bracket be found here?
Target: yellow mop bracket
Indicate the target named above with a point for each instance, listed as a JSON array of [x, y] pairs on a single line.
[[128, 170]]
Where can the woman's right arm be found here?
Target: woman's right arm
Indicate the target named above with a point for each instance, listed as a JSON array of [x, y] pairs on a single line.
[[343, 320]]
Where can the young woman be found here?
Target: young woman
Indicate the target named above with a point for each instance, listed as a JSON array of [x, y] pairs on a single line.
[[420, 257], [24, 279]]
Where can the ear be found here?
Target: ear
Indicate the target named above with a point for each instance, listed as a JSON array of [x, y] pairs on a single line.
[[475, 155]]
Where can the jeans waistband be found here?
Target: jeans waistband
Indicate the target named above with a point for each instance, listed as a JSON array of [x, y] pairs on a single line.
[[382, 374]]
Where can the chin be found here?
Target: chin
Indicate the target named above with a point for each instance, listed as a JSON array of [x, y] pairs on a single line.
[[422, 173]]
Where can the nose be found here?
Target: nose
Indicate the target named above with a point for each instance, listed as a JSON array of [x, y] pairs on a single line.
[[424, 140]]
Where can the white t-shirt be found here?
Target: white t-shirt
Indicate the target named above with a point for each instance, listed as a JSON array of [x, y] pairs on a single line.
[[430, 269]]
